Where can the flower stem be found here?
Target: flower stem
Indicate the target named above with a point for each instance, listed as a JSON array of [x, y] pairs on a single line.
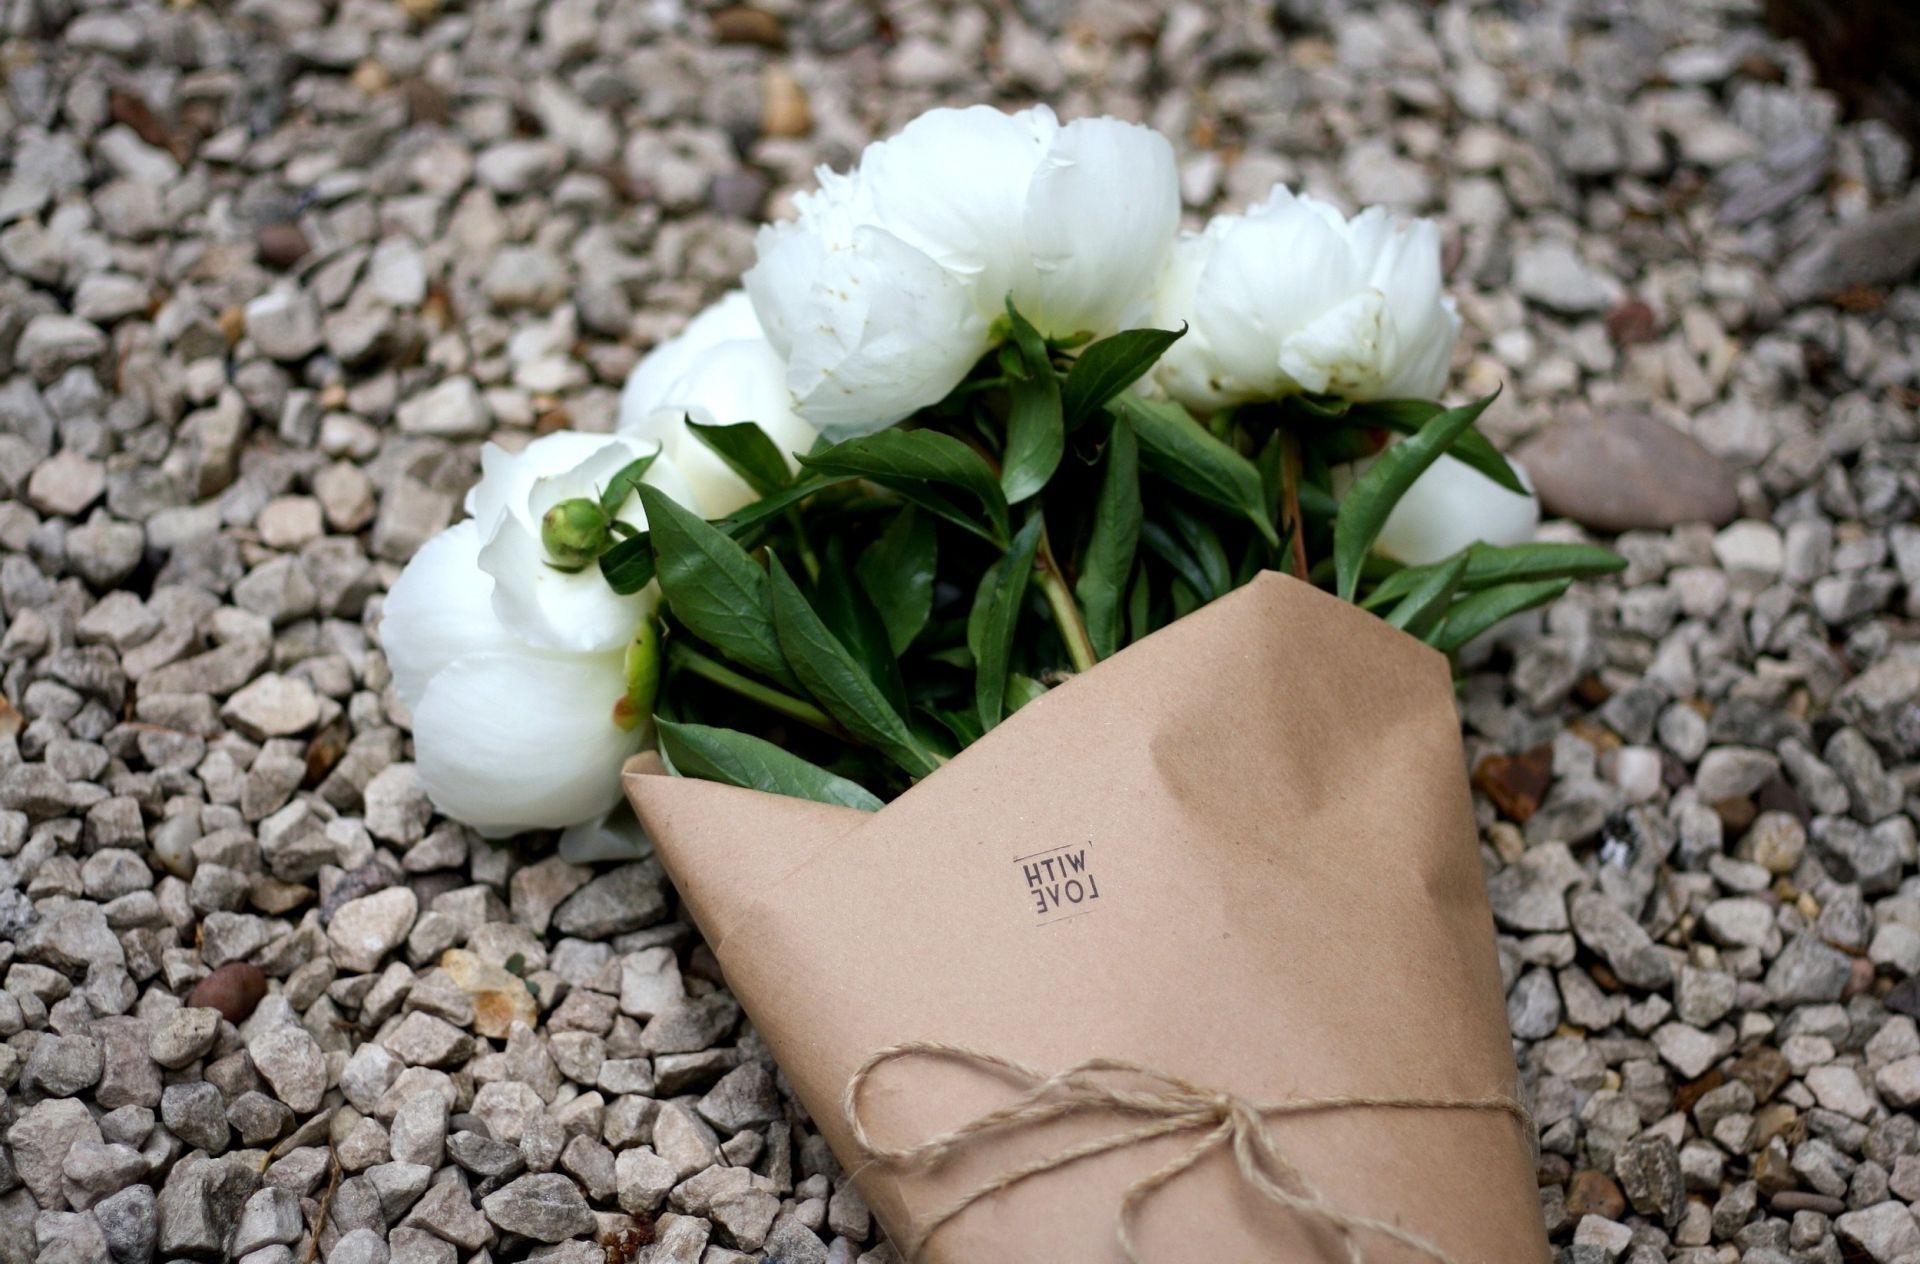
[[1066, 611], [786, 704], [1290, 494]]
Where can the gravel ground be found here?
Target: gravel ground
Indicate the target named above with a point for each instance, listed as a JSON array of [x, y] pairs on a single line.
[[269, 271]]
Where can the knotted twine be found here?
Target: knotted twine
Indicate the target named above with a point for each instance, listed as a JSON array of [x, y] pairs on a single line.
[[1168, 1105]]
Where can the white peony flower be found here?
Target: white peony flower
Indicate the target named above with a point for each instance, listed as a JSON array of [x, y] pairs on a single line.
[[1294, 297], [720, 371], [883, 293], [513, 669], [1450, 506]]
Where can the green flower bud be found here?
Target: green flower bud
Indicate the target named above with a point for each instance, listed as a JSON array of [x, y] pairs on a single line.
[[643, 678], [575, 532]]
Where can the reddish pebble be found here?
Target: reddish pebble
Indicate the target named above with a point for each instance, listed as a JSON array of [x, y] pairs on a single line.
[[234, 989], [280, 245]]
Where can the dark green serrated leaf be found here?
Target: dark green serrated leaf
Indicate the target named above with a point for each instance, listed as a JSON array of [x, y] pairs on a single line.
[[747, 451], [1036, 436], [713, 587], [621, 485], [628, 566], [1181, 450], [831, 675], [1113, 541], [1374, 494], [1476, 612], [1406, 416], [1425, 604], [899, 459], [738, 759], [1110, 366], [897, 571], [995, 638]]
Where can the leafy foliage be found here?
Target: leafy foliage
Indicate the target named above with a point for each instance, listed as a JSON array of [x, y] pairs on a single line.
[[912, 588]]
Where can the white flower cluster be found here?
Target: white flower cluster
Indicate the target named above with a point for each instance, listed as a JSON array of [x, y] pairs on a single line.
[[875, 302]]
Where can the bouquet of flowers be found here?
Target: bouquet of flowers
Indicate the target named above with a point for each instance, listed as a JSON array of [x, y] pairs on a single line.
[[981, 420]]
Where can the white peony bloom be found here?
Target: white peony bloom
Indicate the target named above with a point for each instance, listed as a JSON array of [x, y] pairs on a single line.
[[720, 371], [512, 668], [883, 292], [1294, 297], [1450, 506]]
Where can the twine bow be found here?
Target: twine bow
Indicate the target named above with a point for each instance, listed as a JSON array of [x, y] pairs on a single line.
[[1167, 1105]]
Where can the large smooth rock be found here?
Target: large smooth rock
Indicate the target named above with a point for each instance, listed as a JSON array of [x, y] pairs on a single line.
[[1625, 471]]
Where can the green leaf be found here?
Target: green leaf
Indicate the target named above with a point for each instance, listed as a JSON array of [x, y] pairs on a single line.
[[897, 572], [1475, 613], [1140, 605], [1489, 564], [1169, 548], [850, 614], [1021, 690], [628, 566], [1175, 446], [1112, 543], [1374, 494], [742, 521], [1407, 416], [1203, 543], [1110, 366], [900, 459], [737, 759], [621, 485], [963, 724], [1423, 606], [1036, 436], [1033, 348], [828, 672], [748, 452], [712, 586], [1003, 598]]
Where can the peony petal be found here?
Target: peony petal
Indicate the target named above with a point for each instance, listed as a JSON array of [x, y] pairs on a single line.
[[652, 383], [953, 185], [1099, 222], [1451, 506], [439, 609], [888, 332], [1341, 352], [509, 742], [507, 478], [553, 609]]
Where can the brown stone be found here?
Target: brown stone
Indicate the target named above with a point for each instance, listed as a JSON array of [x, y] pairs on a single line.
[[1762, 1069], [744, 24], [1693, 1090], [783, 105], [1516, 783], [280, 245], [1630, 324], [1626, 471], [234, 989], [1592, 1193]]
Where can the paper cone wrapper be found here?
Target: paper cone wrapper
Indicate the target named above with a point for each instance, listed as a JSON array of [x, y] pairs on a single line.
[[1240, 852]]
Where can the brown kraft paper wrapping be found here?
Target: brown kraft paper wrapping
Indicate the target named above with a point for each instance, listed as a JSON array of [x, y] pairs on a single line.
[[1265, 812]]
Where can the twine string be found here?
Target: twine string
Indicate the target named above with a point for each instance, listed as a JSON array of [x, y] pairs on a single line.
[[1166, 1105]]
